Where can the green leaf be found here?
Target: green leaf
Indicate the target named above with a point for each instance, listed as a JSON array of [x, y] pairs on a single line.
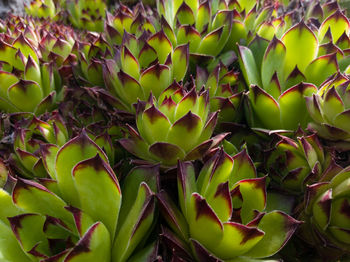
[[203, 16], [22, 44], [161, 44], [302, 47], [237, 240], [10, 249], [273, 63], [254, 197], [278, 228], [35, 198], [25, 95], [332, 105], [186, 132], [293, 106], [215, 171], [185, 14], [129, 63], [74, 151], [209, 44], [180, 62], [243, 168], [95, 245], [266, 108], [7, 208], [248, 65], [321, 68], [153, 125], [99, 191], [135, 228], [186, 184], [200, 216], [337, 23], [32, 71], [48, 153], [155, 79], [28, 229]]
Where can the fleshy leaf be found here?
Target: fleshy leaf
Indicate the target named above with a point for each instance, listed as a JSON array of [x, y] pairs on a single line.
[[201, 215], [34, 197], [237, 240], [301, 45], [95, 245], [99, 191], [74, 151], [278, 228]]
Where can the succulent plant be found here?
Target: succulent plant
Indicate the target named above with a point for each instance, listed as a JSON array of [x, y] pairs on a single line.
[[280, 74], [221, 216], [329, 108], [225, 91], [91, 52], [28, 69], [206, 25], [28, 141], [79, 215], [31, 139], [294, 164], [42, 9], [86, 14], [177, 126], [134, 21], [326, 213], [249, 21], [144, 67]]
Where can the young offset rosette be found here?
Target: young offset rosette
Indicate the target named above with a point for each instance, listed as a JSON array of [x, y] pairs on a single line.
[[251, 19], [143, 66], [296, 163], [329, 109], [29, 139], [42, 9], [280, 74], [135, 20], [28, 84], [327, 216], [91, 53], [205, 25], [221, 216], [177, 126], [79, 214], [32, 140], [86, 14], [224, 91]]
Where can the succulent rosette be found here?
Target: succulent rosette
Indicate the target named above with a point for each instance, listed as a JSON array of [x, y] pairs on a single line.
[[329, 109], [221, 216], [177, 126], [91, 53], [318, 11], [135, 20], [327, 217], [144, 67], [79, 214], [249, 20], [28, 71], [280, 74], [206, 26], [294, 164], [225, 91], [86, 14], [42, 9], [29, 139]]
